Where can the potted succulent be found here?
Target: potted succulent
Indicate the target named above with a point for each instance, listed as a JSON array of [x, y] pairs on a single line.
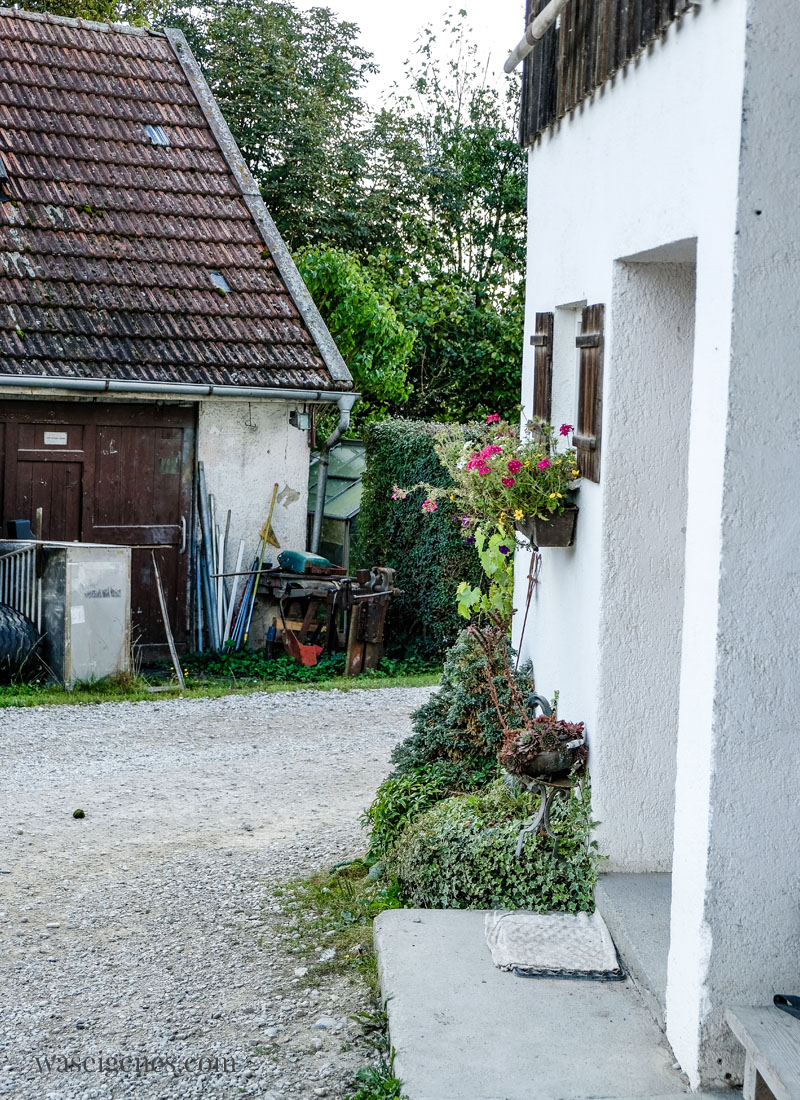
[[546, 746], [507, 480]]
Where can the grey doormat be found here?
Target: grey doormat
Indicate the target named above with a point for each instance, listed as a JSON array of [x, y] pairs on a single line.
[[552, 945]]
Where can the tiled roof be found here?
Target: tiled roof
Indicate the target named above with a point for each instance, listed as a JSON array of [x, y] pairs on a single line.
[[108, 246]]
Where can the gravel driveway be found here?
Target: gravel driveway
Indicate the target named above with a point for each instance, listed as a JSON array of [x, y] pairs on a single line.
[[147, 928]]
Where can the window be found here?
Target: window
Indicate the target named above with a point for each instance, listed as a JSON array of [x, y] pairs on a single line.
[[156, 134], [219, 281]]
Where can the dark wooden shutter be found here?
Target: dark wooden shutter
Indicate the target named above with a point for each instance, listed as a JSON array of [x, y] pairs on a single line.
[[542, 341], [588, 431]]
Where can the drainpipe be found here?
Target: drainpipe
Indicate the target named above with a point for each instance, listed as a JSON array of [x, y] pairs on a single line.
[[536, 30], [345, 403]]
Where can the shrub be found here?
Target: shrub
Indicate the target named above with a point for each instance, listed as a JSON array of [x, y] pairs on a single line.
[[401, 799], [426, 551], [460, 855], [459, 723]]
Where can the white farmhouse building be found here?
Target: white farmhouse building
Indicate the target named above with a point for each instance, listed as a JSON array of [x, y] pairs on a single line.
[[664, 146]]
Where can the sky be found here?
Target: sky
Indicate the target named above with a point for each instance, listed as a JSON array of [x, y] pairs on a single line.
[[388, 31]]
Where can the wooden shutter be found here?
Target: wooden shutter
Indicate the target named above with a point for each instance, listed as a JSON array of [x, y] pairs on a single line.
[[542, 341], [588, 434]]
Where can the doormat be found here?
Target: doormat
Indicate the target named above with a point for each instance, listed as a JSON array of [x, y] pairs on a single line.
[[552, 945]]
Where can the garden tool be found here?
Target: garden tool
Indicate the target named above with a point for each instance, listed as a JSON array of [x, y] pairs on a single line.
[[304, 654], [267, 536]]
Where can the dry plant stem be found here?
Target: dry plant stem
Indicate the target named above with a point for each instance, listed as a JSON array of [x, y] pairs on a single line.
[[488, 640]]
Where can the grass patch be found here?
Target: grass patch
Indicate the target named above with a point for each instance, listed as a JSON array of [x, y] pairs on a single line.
[[139, 689], [334, 910]]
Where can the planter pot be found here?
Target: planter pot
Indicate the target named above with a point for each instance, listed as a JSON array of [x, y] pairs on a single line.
[[553, 762], [557, 530]]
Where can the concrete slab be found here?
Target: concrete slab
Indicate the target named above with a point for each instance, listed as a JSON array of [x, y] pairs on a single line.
[[636, 909], [463, 1030]]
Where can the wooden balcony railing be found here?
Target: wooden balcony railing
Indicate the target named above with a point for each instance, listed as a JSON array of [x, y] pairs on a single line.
[[592, 40]]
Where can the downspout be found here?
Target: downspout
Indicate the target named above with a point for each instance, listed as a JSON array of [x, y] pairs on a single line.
[[345, 402], [537, 28]]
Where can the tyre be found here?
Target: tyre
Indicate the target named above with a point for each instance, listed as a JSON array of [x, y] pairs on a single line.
[[19, 639]]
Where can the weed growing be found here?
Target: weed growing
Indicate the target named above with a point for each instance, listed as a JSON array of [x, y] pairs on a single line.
[[331, 917], [329, 928]]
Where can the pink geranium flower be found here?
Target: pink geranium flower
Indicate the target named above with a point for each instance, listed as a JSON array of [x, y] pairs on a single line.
[[492, 418], [429, 506], [514, 466], [543, 464], [507, 482], [565, 429]]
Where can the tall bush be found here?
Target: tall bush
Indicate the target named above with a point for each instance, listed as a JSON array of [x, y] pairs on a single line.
[[426, 551]]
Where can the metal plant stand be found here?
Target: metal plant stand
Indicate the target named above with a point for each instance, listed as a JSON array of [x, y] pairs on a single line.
[[547, 789]]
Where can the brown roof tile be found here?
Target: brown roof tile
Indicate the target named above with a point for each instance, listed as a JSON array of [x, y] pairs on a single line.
[[107, 249]]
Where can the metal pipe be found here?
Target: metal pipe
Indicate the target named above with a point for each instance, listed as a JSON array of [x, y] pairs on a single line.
[[179, 389], [345, 408], [536, 29]]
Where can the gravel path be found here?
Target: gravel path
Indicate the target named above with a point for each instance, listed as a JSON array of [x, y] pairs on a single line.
[[148, 928]]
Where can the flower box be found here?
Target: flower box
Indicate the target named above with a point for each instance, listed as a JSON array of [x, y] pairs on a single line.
[[556, 530]]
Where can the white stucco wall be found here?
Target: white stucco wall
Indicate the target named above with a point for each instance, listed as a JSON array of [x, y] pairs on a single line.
[[642, 553], [246, 447], [650, 162], [737, 830]]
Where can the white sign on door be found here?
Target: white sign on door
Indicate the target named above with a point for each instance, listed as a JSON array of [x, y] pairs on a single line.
[[55, 439]]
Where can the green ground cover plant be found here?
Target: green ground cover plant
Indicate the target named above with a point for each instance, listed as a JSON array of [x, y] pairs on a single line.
[[460, 854]]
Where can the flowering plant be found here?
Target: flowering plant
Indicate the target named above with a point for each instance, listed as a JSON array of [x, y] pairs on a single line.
[[501, 476]]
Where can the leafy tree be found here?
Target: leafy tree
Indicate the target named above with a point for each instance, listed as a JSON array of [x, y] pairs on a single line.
[[101, 11], [373, 341], [289, 85], [462, 291]]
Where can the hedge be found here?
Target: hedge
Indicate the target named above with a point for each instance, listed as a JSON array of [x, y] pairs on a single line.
[[426, 551]]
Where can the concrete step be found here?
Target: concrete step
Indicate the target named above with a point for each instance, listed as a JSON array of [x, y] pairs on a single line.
[[636, 909], [463, 1030]]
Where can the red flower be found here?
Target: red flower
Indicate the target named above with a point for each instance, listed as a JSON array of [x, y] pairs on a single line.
[[515, 466], [507, 482], [543, 464], [565, 429], [492, 418]]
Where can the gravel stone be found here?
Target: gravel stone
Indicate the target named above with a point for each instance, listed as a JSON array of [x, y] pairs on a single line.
[[165, 941]]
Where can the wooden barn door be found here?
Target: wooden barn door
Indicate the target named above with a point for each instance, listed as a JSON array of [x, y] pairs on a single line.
[[118, 474], [142, 497]]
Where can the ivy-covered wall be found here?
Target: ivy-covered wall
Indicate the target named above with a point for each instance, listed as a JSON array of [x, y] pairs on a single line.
[[426, 550]]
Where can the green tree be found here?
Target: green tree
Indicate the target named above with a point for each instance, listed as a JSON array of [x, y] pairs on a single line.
[[373, 341], [462, 288], [101, 11], [289, 85]]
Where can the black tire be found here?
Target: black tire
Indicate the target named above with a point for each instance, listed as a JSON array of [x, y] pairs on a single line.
[[19, 640]]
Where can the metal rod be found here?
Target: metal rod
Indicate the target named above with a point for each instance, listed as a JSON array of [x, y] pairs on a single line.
[[211, 618], [164, 615]]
